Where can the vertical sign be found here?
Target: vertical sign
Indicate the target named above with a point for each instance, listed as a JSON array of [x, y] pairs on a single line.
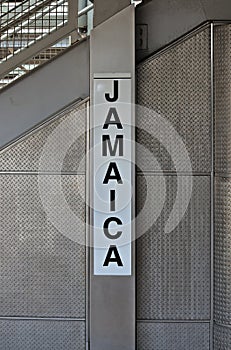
[[113, 171]]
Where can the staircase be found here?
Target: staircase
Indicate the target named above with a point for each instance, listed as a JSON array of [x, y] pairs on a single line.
[[34, 31], [32, 34]]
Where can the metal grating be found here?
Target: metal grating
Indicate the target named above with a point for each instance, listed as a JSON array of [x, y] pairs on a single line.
[[173, 273], [173, 336], [42, 272], [34, 31], [25, 22], [35, 61], [24, 155], [222, 56], [222, 302], [177, 85], [222, 338], [45, 335]]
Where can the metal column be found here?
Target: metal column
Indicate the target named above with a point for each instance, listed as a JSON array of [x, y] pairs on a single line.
[[112, 298]]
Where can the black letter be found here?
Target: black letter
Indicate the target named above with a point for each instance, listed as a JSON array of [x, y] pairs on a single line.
[[112, 167], [106, 231], [112, 151], [112, 200], [116, 93], [112, 249], [112, 111]]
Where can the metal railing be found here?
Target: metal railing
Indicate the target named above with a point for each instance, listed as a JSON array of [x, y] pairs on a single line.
[[34, 31]]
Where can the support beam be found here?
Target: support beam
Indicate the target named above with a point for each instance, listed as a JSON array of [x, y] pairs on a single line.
[[112, 292]]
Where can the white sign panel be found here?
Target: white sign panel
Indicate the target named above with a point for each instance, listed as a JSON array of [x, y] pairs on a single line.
[[112, 169]]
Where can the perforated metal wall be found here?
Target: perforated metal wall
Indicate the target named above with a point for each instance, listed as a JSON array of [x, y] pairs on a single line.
[[24, 156], [43, 274], [222, 251], [42, 271], [222, 338], [173, 336], [174, 269], [177, 85], [45, 335], [222, 73], [222, 272]]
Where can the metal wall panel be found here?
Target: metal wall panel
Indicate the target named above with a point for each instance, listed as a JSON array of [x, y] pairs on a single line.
[[173, 336], [222, 73], [222, 302], [174, 268], [177, 85], [24, 155], [42, 335], [222, 147], [42, 272], [222, 338]]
